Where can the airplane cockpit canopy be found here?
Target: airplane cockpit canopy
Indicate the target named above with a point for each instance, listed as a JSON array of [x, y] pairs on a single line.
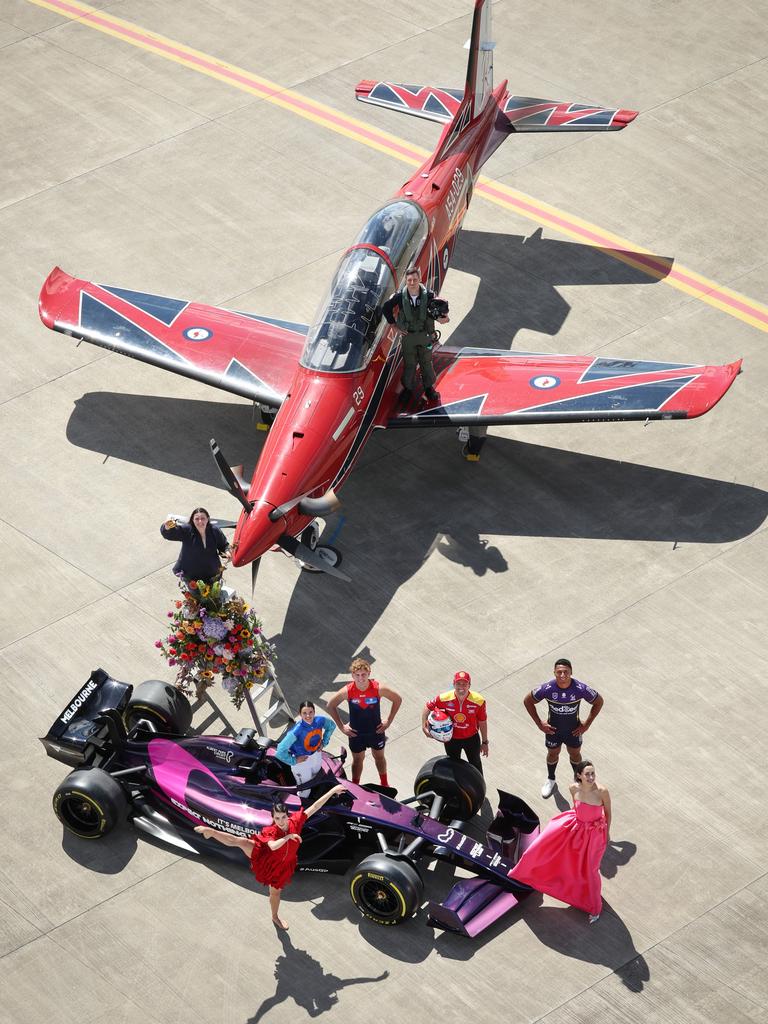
[[349, 322]]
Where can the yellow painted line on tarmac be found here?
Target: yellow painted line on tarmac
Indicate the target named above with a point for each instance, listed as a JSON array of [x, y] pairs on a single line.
[[676, 276]]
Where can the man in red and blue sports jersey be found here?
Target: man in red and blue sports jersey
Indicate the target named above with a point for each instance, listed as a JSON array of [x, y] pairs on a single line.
[[564, 695], [366, 728], [469, 714]]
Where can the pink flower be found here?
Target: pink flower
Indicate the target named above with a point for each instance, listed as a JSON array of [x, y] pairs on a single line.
[[158, 643]]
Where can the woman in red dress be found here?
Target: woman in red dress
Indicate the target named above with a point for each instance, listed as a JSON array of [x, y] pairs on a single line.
[[564, 861], [273, 851]]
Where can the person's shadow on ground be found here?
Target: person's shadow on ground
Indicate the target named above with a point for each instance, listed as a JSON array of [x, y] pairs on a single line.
[[607, 942], [300, 977]]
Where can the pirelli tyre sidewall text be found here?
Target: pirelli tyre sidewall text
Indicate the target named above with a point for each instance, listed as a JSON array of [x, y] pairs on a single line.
[[162, 704], [89, 803], [459, 783], [386, 890]]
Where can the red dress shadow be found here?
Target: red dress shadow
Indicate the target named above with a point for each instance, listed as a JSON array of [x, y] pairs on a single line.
[[564, 860], [276, 867]]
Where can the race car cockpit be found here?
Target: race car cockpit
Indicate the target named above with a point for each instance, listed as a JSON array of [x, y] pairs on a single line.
[[349, 323]]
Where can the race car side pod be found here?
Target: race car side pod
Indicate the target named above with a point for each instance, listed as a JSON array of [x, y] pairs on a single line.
[[475, 903]]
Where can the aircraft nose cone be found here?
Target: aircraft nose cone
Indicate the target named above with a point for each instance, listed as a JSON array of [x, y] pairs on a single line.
[[255, 534]]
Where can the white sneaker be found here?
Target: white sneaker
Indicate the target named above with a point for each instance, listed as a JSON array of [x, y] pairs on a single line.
[[548, 788]]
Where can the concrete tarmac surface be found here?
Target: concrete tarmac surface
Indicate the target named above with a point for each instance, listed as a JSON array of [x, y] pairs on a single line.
[[132, 158]]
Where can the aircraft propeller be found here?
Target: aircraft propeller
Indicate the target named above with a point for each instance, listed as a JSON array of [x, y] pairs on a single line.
[[231, 481]]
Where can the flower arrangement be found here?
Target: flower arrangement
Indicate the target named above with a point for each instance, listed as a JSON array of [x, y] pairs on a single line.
[[214, 632]]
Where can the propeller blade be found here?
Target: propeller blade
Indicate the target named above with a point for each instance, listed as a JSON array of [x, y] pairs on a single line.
[[254, 573], [314, 558], [284, 509], [230, 480]]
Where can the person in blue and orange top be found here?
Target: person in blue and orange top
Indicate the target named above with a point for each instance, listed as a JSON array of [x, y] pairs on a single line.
[[366, 728], [469, 714], [302, 746]]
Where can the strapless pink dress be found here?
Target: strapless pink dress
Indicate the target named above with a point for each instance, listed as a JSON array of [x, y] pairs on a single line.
[[564, 861]]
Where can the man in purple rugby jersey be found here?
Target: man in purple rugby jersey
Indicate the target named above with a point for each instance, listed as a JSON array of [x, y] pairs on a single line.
[[563, 695]]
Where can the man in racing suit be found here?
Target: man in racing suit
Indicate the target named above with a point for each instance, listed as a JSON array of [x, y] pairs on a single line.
[[468, 711], [563, 695], [417, 332]]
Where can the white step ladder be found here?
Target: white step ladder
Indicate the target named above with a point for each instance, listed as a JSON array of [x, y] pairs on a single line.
[[270, 688]]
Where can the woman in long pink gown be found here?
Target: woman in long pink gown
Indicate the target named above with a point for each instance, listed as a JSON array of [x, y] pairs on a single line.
[[564, 861]]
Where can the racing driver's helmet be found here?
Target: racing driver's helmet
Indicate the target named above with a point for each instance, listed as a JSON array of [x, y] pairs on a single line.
[[440, 725]]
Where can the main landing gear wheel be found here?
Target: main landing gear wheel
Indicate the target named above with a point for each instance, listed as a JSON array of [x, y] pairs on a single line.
[[89, 803], [330, 555], [459, 783], [160, 703], [386, 890]]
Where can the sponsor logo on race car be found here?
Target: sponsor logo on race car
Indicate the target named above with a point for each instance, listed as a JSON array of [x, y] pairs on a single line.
[[221, 755], [456, 840], [78, 702]]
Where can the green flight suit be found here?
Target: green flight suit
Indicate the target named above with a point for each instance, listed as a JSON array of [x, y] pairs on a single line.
[[417, 340]]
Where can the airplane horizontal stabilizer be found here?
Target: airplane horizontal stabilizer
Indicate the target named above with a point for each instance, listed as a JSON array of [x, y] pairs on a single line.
[[430, 102], [526, 114]]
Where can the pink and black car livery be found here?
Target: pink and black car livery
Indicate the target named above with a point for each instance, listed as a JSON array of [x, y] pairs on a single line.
[[133, 756]]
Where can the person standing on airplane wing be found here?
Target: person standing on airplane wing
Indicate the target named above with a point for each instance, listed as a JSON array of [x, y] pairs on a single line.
[[417, 326]]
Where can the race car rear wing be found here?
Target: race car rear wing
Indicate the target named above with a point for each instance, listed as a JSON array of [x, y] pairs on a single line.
[[76, 727]]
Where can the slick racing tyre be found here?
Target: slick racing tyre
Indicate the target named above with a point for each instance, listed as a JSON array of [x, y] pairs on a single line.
[[385, 890], [459, 783], [89, 803], [161, 704]]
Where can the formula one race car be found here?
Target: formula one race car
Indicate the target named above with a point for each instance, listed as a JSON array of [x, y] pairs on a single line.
[[132, 757]]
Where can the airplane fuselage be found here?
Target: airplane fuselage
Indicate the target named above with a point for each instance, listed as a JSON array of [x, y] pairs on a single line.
[[347, 383]]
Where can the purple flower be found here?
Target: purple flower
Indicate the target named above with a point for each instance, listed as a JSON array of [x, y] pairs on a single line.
[[213, 628]]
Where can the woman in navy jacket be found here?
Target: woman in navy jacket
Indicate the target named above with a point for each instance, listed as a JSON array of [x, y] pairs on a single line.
[[202, 544]]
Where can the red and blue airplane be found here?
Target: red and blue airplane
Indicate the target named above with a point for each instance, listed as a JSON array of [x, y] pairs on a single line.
[[335, 381]]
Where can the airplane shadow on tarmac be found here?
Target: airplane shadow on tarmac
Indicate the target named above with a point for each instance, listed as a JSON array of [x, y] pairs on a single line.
[[528, 490], [519, 277]]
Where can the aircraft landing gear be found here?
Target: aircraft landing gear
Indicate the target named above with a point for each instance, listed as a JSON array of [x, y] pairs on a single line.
[[267, 417], [332, 556], [472, 440], [310, 537]]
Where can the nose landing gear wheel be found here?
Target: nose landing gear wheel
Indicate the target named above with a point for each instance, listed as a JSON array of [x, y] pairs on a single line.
[[330, 555]]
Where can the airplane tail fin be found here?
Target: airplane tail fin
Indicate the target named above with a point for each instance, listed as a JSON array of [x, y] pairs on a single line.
[[479, 84], [480, 64]]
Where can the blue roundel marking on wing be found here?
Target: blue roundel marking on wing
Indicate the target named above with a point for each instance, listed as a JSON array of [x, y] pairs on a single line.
[[544, 381], [198, 334]]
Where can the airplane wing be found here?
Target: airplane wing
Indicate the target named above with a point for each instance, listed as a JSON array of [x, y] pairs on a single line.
[[248, 355], [526, 114], [481, 387]]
